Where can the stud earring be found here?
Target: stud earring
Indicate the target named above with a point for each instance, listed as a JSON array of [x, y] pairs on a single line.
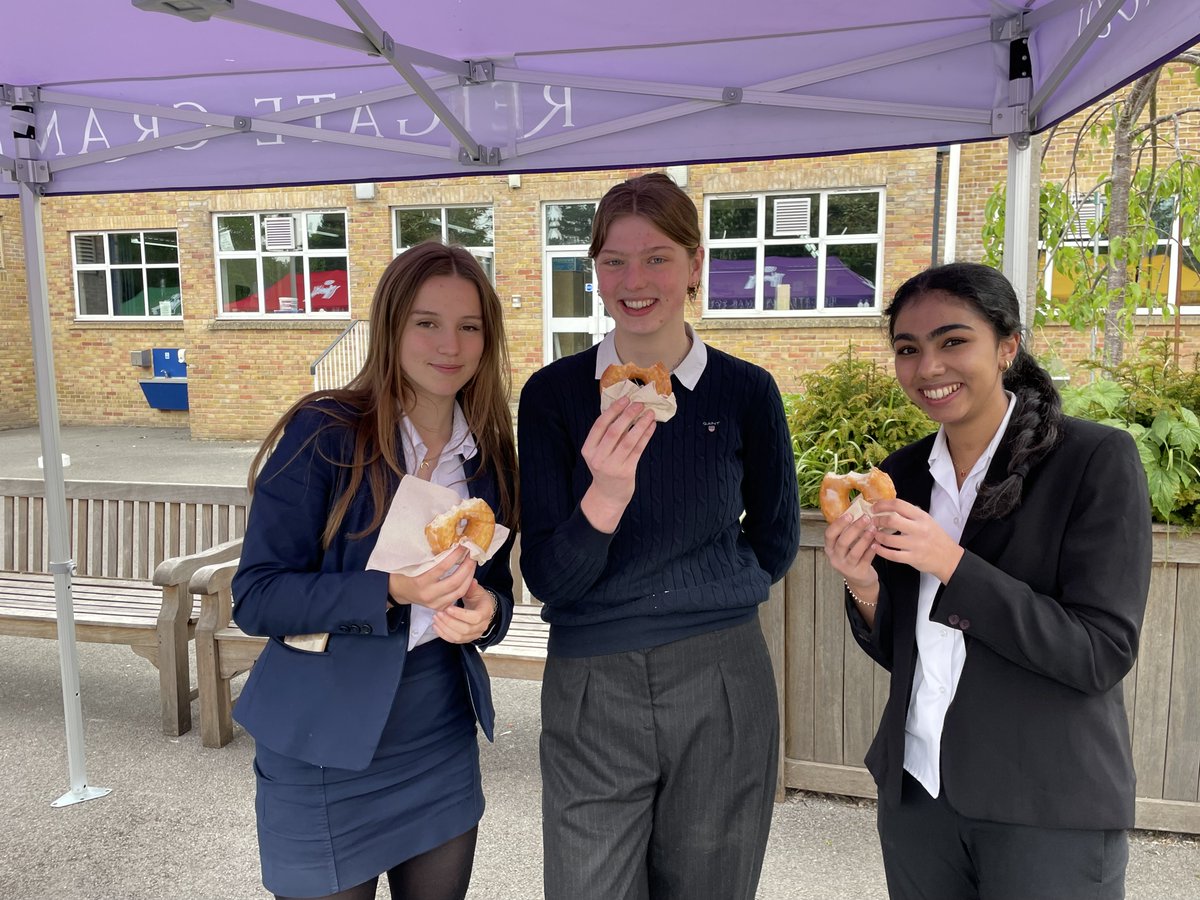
[[692, 291]]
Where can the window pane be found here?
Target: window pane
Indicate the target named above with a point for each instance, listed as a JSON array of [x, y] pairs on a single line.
[[850, 272], [326, 231], [125, 249], [790, 277], [282, 290], [416, 225], [1189, 285], [89, 249], [731, 276], [129, 296], [794, 216], [93, 293], [239, 286], [737, 218], [327, 291], [569, 223], [235, 233], [161, 247], [570, 280], [489, 265], [568, 343], [163, 292], [470, 226], [852, 214]]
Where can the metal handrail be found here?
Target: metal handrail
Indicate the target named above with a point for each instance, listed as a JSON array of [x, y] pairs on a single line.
[[343, 358]]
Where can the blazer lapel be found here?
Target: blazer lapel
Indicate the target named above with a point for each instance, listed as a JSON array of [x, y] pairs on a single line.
[[997, 472]]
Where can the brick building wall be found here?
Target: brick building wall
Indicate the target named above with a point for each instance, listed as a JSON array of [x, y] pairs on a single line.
[[19, 406], [242, 373]]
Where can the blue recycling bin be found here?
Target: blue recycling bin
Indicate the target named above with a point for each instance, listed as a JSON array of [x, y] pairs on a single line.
[[168, 388]]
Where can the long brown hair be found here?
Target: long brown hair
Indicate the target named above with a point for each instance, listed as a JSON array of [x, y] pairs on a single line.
[[371, 405]]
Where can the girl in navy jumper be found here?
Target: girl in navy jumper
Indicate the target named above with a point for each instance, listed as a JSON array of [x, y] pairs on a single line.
[[651, 546]]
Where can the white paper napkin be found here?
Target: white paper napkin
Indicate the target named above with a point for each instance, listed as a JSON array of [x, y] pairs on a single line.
[[663, 407], [402, 547]]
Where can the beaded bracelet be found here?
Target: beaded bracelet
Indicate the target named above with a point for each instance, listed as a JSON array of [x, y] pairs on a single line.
[[857, 599]]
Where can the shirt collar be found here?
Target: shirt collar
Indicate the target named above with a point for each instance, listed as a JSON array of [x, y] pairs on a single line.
[[461, 440], [939, 454], [688, 371]]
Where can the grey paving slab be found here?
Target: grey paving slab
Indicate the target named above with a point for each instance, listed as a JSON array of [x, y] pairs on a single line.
[[180, 820]]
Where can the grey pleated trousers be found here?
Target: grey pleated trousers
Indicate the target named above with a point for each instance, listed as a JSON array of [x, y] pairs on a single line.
[[658, 770]]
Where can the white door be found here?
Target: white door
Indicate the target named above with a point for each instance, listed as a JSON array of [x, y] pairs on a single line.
[[575, 316]]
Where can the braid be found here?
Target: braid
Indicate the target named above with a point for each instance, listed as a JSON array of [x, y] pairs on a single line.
[[1036, 426]]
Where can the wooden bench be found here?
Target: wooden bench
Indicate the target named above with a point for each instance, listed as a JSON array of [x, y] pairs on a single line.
[[120, 535], [223, 651]]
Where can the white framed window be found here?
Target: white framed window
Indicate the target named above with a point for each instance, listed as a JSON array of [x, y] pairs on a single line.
[[290, 263], [574, 317], [468, 226], [796, 253], [1169, 273], [126, 274]]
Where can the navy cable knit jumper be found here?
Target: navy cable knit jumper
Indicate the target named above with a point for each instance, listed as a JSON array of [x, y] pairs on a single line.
[[683, 560]]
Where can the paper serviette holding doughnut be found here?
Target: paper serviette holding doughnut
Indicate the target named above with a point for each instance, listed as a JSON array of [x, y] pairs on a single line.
[[403, 547], [650, 385]]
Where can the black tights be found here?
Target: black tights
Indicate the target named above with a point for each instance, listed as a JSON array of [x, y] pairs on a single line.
[[442, 873]]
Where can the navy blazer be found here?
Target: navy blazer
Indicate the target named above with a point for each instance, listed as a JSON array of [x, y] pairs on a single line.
[[1049, 600], [329, 708]]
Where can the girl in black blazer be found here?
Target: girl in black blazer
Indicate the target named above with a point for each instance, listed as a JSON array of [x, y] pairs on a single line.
[[366, 758], [1004, 590]]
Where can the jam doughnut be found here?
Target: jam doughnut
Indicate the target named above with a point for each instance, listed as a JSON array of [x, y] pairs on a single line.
[[835, 490], [443, 531], [656, 375]]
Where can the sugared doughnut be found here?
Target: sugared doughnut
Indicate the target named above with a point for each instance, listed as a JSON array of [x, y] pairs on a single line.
[[446, 530], [835, 490], [656, 375]]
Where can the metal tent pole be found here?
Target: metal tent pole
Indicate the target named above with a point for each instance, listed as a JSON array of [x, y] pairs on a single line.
[[31, 173]]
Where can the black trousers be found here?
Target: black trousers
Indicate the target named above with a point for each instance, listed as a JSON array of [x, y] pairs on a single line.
[[658, 770], [930, 852]]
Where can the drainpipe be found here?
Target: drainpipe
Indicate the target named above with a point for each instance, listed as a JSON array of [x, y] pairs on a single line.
[[940, 156], [951, 246]]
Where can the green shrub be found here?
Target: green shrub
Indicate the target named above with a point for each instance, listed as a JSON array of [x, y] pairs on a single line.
[[1154, 399], [848, 416]]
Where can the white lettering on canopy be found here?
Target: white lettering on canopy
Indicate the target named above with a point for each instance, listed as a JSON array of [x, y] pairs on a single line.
[[315, 98], [1088, 11], [277, 103], [555, 106], [88, 137], [51, 129], [180, 105], [359, 120]]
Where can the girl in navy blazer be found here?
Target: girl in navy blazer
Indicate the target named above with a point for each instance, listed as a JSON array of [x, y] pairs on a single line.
[[366, 756], [1004, 590]]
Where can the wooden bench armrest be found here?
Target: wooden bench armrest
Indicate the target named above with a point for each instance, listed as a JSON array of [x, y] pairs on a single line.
[[179, 570], [213, 579]]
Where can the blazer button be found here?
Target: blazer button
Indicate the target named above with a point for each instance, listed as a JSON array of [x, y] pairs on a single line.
[[346, 629], [367, 629], [964, 624], [953, 619]]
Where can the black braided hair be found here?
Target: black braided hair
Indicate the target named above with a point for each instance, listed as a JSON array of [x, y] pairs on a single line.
[[1036, 423]]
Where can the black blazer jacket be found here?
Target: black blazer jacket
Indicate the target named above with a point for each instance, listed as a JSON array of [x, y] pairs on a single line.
[[1050, 601]]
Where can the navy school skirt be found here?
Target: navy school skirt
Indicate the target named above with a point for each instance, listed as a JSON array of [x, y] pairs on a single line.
[[322, 830]]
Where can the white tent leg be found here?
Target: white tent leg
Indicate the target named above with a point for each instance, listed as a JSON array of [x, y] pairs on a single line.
[[1017, 219], [61, 564]]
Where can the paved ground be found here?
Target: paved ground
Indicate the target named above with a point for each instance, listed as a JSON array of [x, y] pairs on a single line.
[[180, 823]]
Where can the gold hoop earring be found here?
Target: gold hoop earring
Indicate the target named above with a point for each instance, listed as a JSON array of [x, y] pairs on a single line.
[[1005, 365]]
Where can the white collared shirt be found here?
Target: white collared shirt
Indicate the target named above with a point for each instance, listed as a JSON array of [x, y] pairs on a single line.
[[941, 651], [688, 371], [448, 472]]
